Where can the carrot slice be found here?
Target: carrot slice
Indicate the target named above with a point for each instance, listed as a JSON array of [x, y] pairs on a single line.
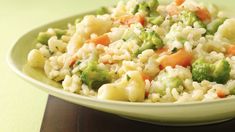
[[172, 10], [231, 50], [220, 93], [203, 14], [161, 50], [103, 39], [179, 2], [182, 58], [146, 77], [130, 19]]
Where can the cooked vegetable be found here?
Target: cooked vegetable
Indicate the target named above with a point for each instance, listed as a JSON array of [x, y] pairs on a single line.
[[161, 50], [129, 34], [147, 7], [201, 71], [179, 2], [94, 76], [199, 24], [203, 14], [213, 26], [102, 11], [130, 19], [43, 37], [181, 58], [218, 72], [227, 30], [231, 50], [220, 93], [221, 72], [151, 40], [156, 20], [188, 17], [146, 77], [59, 32], [103, 39], [172, 82]]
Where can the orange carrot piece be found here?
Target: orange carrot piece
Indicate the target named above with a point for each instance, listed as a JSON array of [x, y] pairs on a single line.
[[103, 39], [220, 93], [203, 14], [179, 2], [172, 10], [130, 19], [231, 50], [182, 58], [146, 77], [73, 61], [161, 50]]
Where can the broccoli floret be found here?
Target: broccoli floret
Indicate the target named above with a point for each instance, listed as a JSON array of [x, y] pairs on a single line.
[[94, 76], [221, 71], [199, 24], [129, 34], [218, 72], [188, 17], [151, 40], [146, 6], [214, 25], [173, 82], [152, 4], [201, 71], [170, 82], [156, 20]]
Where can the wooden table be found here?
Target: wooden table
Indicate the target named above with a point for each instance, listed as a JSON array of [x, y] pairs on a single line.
[[61, 116]]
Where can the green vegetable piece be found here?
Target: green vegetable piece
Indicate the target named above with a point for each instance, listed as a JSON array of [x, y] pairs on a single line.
[[201, 71], [218, 72], [144, 47], [181, 39], [188, 17], [174, 50], [232, 91], [151, 40], [43, 37], [128, 77], [78, 63], [102, 11], [144, 8], [170, 82], [173, 82], [199, 24], [221, 73], [149, 6], [156, 20], [78, 20], [129, 34], [153, 4], [135, 9], [214, 25], [94, 76], [59, 32]]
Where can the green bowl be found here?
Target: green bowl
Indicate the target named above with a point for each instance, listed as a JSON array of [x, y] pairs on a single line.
[[193, 113]]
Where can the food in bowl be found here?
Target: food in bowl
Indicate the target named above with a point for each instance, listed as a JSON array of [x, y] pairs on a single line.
[[141, 51]]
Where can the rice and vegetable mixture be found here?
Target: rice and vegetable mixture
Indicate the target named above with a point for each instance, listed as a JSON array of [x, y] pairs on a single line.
[[140, 51]]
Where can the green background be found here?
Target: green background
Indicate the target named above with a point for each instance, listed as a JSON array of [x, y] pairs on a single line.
[[21, 104]]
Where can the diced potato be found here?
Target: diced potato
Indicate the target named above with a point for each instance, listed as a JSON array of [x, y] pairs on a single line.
[[132, 89], [227, 30], [36, 59]]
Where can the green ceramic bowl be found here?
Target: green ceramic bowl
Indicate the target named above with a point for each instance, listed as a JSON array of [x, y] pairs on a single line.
[[194, 113]]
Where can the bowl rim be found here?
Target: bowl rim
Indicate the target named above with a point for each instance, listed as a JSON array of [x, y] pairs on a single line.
[[11, 63]]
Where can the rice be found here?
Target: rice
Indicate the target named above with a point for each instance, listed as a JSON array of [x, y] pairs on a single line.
[[157, 54]]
